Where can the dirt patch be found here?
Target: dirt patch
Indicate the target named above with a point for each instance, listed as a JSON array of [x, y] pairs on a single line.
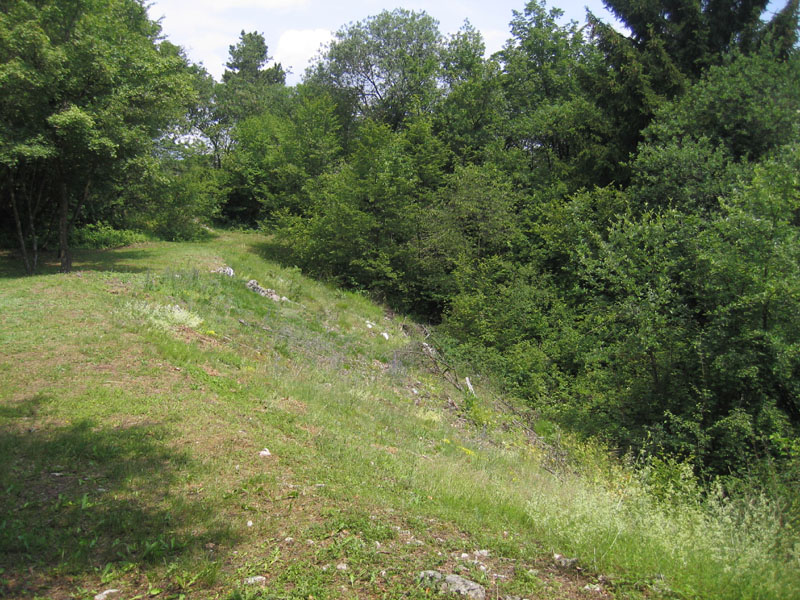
[[187, 334]]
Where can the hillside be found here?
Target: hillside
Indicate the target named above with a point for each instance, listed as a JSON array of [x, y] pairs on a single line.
[[139, 393]]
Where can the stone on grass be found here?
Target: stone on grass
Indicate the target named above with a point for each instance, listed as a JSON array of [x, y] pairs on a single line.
[[428, 577], [257, 580], [453, 584], [265, 453], [265, 292], [385, 335], [224, 271], [563, 561], [341, 567], [107, 594]]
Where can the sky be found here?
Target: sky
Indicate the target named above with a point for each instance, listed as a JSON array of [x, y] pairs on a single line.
[[295, 29]]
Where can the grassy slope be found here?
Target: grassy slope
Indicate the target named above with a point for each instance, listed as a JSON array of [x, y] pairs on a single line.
[[130, 434]]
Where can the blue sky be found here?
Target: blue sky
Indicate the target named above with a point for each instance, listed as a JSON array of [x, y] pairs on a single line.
[[295, 29]]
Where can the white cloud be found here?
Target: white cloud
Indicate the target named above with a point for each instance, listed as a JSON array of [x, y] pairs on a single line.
[[217, 6], [495, 39], [260, 4], [296, 48]]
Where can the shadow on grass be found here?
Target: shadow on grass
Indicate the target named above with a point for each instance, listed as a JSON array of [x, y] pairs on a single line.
[[127, 260], [80, 499], [276, 252]]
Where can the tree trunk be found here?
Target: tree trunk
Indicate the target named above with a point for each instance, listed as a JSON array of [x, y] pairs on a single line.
[[32, 227], [64, 255], [20, 235], [65, 224]]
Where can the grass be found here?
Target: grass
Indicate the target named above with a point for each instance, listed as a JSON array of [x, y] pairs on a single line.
[[138, 391]]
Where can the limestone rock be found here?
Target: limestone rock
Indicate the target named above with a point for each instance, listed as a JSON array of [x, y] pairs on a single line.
[[563, 561], [453, 584], [107, 594], [265, 292], [224, 271], [430, 577]]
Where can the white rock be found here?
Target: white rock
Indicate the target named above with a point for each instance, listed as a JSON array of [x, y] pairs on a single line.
[[482, 553], [264, 453], [385, 335], [453, 584], [289, 540], [258, 579], [224, 271], [469, 386], [107, 594], [463, 587], [341, 567], [249, 523], [565, 562]]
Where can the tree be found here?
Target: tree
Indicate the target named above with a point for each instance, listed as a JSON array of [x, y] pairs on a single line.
[[276, 157], [550, 123], [248, 85], [698, 145], [384, 67], [468, 116], [669, 44], [90, 87]]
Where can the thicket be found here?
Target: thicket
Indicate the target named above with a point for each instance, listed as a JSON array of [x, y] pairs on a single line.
[[607, 222]]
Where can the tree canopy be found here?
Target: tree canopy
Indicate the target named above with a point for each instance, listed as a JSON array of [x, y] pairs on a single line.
[[87, 88]]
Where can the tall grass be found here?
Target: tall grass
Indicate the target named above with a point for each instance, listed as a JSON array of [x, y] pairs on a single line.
[[688, 547]]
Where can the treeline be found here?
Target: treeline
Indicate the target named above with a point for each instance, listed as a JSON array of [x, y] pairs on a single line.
[[608, 222]]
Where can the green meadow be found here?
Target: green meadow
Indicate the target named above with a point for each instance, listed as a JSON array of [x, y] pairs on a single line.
[[138, 394]]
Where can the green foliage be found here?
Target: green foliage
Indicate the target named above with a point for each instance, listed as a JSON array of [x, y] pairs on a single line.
[[605, 220], [100, 236], [468, 117], [748, 106], [699, 145], [559, 130], [87, 88], [248, 86], [274, 159], [365, 220], [666, 47], [384, 67]]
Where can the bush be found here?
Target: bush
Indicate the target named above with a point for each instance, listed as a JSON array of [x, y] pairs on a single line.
[[99, 236]]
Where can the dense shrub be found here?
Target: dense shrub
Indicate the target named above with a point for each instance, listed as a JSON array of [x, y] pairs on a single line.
[[100, 236]]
